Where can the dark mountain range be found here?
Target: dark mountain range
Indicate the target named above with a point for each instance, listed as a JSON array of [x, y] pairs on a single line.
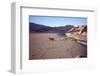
[[34, 28]]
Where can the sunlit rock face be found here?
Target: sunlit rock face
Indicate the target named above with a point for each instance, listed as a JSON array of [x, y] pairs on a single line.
[[83, 29]]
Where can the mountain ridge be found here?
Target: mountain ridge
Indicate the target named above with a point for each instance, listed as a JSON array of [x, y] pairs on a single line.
[[36, 28]]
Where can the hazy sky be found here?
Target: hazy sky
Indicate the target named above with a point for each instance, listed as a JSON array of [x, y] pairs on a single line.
[[58, 21]]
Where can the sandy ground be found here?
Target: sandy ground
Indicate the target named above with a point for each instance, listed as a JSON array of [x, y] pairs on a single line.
[[41, 47]]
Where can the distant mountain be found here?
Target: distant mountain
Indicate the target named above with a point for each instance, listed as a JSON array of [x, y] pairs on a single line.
[[65, 28], [33, 27]]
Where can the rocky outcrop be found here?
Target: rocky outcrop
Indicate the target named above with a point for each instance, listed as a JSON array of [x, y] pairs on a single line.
[[83, 29]]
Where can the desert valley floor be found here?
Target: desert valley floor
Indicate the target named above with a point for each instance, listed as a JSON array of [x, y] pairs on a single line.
[[41, 47]]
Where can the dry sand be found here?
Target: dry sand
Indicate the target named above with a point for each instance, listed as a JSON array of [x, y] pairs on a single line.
[[40, 47]]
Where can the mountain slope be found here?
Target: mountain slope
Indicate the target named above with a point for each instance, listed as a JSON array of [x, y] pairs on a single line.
[[33, 27], [38, 28]]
